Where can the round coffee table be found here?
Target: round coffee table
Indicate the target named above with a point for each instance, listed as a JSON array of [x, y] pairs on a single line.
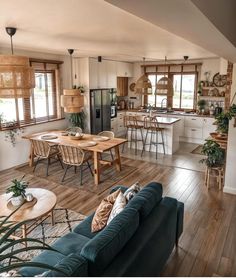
[[46, 201]]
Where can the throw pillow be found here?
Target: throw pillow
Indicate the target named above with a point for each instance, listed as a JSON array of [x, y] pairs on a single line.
[[131, 191], [118, 206], [103, 211]]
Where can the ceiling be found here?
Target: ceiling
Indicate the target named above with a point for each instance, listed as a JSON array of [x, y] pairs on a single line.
[[93, 27]]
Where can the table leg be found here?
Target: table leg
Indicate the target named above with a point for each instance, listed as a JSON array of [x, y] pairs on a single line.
[[52, 218], [31, 156], [96, 168], [24, 233], [118, 162]]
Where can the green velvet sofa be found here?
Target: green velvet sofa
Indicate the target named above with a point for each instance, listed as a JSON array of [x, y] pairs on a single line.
[[137, 242]]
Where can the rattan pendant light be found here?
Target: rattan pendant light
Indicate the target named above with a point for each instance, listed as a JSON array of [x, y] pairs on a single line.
[[143, 85], [72, 101], [16, 76], [164, 86]]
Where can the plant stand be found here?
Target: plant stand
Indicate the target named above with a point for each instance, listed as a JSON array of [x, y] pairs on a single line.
[[217, 172]]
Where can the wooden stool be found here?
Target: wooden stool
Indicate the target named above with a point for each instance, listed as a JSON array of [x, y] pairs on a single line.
[[219, 173]]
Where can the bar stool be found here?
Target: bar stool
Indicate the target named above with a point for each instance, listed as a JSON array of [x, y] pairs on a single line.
[[132, 125], [217, 172], [151, 126]]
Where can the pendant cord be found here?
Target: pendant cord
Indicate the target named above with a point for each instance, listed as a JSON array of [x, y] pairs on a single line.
[[12, 52], [71, 70]]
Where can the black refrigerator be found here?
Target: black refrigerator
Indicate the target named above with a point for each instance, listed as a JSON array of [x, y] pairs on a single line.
[[100, 109]]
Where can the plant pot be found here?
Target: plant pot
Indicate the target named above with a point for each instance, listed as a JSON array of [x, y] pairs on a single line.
[[17, 201]]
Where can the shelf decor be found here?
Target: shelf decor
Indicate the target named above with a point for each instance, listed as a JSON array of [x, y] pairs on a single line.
[[143, 85], [72, 100], [16, 76], [164, 86]]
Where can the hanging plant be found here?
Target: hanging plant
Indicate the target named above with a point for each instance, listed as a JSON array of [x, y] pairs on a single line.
[[77, 119]]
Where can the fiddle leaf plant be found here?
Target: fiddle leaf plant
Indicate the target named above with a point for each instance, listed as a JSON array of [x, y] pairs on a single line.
[[215, 154], [11, 249]]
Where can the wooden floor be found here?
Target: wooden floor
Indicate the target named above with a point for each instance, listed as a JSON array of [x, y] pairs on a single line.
[[208, 244]]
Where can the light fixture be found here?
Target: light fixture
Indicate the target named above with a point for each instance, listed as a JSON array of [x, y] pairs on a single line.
[[72, 101], [100, 59], [164, 85], [16, 76], [143, 85], [185, 57]]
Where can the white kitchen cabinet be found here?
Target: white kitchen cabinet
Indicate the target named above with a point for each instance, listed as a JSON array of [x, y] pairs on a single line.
[[208, 127], [114, 125], [193, 122], [102, 74], [93, 73], [124, 69], [111, 74], [121, 130], [193, 133]]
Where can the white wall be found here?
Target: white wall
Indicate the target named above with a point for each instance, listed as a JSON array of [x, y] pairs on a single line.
[[12, 156], [230, 175]]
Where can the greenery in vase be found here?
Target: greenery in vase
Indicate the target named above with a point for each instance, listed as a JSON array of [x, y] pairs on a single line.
[[77, 119], [81, 88], [11, 252], [215, 154], [222, 119], [18, 187], [201, 104]]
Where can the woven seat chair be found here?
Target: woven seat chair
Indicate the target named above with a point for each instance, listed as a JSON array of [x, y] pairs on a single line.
[[132, 125], [45, 151], [152, 127], [110, 135], [75, 156]]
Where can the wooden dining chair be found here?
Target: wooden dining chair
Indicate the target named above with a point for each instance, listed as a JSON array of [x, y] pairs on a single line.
[[75, 156], [110, 135], [45, 151]]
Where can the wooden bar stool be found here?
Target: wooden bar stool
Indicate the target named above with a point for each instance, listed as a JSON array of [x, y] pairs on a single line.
[[133, 126], [151, 126], [217, 172]]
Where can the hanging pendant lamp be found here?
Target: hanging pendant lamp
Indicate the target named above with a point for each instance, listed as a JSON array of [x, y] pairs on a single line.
[[16, 76], [143, 85], [164, 86], [72, 101]]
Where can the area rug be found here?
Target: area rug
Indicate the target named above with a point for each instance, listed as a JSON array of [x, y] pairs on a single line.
[[109, 176], [65, 220], [197, 150]]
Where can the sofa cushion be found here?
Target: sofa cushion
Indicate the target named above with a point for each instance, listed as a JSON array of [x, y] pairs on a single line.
[[70, 243], [72, 265], [84, 228], [103, 211], [146, 199], [47, 257], [118, 206], [132, 191], [101, 250]]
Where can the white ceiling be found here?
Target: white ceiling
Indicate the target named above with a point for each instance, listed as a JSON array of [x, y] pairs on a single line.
[[93, 27], [206, 23]]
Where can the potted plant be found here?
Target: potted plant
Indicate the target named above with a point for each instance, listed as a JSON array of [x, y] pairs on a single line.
[[201, 105], [222, 119], [215, 154], [18, 191], [77, 119]]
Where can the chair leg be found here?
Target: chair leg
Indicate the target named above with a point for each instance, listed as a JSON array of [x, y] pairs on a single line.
[[64, 175], [126, 136], [112, 157], [48, 163], [36, 164], [75, 168], [59, 159], [136, 141], [163, 143], [81, 174], [156, 143], [90, 168], [144, 144]]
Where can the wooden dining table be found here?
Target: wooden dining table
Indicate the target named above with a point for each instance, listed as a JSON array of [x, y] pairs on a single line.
[[99, 148]]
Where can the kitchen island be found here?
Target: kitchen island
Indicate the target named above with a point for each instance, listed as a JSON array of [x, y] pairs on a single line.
[[171, 134]]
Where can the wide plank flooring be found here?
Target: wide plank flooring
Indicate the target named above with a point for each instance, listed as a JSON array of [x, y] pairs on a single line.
[[208, 244]]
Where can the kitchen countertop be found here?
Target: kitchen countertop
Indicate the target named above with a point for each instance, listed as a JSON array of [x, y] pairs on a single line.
[[175, 113]]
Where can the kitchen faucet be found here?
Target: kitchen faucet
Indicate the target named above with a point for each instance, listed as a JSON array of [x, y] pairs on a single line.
[[165, 99]]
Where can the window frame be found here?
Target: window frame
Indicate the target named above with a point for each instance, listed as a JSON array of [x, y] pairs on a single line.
[[26, 102]]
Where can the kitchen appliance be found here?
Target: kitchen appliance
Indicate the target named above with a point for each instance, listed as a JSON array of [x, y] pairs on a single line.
[[100, 109], [218, 110]]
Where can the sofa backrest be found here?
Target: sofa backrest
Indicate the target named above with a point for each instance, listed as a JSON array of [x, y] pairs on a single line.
[[146, 199], [102, 249]]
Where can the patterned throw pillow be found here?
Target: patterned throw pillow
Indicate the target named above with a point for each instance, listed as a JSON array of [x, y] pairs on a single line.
[[103, 211], [118, 206], [131, 191]]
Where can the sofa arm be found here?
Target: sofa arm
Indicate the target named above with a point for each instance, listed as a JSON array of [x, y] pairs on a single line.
[[180, 221], [123, 189], [72, 266]]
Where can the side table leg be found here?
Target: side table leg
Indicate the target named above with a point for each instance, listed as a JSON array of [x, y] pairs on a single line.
[[52, 218], [24, 233]]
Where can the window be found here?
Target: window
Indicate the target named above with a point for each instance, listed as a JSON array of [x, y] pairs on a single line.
[[184, 88], [184, 91], [42, 105]]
